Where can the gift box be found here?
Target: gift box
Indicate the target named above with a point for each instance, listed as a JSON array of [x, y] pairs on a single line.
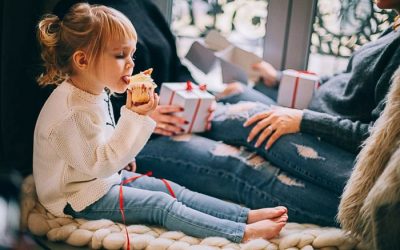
[[195, 100], [297, 88], [235, 62]]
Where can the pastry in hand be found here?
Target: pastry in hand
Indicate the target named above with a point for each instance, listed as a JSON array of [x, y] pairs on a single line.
[[141, 86]]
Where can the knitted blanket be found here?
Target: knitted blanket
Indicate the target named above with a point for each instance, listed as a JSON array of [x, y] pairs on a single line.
[[106, 234]]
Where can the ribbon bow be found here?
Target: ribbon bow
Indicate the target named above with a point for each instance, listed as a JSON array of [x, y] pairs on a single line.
[[189, 86]]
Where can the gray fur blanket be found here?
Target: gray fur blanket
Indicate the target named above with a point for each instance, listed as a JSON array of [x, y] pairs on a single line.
[[370, 205]]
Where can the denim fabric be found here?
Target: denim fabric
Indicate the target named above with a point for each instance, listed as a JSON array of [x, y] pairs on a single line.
[[301, 155], [240, 176], [147, 200], [309, 187]]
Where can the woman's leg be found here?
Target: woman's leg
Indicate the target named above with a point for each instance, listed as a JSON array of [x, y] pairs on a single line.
[[226, 172], [301, 155]]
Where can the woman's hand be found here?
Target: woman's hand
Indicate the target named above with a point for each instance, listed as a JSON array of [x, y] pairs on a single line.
[[274, 123], [268, 73], [145, 109], [233, 88], [168, 123], [210, 115]]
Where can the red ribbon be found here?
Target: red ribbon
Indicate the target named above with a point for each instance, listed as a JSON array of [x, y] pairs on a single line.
[[296, 85], [203, 87], [189, 86], [121, 199]]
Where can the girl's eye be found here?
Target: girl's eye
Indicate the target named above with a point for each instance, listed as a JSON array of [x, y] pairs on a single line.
[[120, 56]]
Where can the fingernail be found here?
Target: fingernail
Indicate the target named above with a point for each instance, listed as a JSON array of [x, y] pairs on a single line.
[[248, 140], [186, 122], [181, 109], [256, 145], [182, 130]]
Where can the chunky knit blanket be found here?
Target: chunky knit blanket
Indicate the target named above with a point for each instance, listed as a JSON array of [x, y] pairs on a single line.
[[106, 234]]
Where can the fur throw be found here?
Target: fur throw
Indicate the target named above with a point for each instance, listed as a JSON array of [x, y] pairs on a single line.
[[375, 182]]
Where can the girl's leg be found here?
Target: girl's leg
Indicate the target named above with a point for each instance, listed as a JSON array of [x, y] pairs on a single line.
[[194, 200], [235, 174], [159, 208], [301, 155]]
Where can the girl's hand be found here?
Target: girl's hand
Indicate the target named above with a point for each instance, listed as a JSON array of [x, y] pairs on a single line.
[[145, 109], [267, 72], [131, 166], [273, 124], [168, 123]]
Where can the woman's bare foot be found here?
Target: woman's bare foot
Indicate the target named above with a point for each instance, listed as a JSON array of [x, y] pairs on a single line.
[[265, 229], [265, 213]]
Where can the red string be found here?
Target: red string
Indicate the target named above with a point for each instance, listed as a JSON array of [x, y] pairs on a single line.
[[121, 199], [189, 86], [171, 192], [203, 87]]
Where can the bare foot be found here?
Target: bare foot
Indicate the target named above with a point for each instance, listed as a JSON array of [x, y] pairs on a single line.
[[265, 213], [265, 229]]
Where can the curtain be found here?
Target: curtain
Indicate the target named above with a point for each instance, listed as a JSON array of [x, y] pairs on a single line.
[[20, 96]]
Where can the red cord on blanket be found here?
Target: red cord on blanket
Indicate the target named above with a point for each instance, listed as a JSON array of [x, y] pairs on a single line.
[[121, 199]]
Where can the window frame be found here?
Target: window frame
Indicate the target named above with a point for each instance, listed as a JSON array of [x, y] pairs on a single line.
[[289, 47]]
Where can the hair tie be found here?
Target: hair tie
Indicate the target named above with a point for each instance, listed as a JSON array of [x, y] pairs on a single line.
[[54, 27]]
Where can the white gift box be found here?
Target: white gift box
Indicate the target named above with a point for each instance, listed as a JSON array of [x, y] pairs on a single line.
[[195, 100], [235, 62], [297, 88]]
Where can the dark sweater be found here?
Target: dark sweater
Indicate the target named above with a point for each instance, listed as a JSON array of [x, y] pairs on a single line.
[[346, 106]]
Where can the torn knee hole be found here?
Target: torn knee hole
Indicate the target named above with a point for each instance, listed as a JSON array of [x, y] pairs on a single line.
[[289, 181], [307, 152], [223, 149]]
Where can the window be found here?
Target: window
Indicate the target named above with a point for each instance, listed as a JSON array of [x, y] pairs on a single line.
[[317, 35], [339, 28], [242, 21]]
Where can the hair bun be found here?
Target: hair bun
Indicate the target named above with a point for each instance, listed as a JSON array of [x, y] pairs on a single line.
[[54, 27]]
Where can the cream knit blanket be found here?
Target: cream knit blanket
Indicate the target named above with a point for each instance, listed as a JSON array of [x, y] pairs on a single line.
[[106, 234]]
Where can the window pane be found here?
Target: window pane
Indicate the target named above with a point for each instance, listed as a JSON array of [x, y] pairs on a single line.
[[241, 21], [340, 27]]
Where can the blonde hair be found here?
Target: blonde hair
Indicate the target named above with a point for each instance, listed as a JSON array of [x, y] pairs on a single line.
[[85, 27]]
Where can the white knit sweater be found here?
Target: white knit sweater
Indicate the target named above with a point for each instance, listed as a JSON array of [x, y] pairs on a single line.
[[77, 150]]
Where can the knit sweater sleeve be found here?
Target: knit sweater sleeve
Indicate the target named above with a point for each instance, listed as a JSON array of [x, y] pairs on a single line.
[[80, 140], [339, 131]]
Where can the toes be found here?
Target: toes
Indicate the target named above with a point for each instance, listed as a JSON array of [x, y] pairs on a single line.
[[275, 212], [281, 208], [282, 218]]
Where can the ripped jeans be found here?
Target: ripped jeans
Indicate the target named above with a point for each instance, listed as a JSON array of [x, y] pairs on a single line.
[[302, 173]]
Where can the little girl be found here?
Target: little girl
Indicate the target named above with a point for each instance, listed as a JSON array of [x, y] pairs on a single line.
[[79, 150]]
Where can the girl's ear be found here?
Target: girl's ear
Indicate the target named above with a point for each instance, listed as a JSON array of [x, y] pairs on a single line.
[[80, 60]]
